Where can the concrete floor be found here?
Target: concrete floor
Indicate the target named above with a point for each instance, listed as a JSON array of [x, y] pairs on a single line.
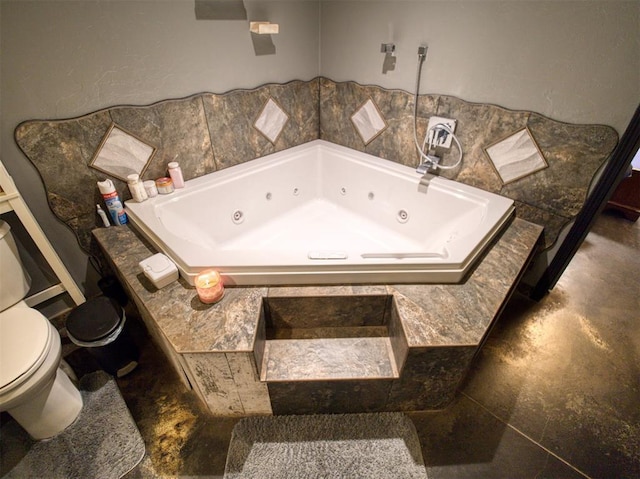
[[555, 393]]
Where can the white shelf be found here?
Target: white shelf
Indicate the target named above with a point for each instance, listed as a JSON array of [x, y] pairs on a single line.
[[11, 200]]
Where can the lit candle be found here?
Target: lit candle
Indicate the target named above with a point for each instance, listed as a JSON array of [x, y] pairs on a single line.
[[209, 286]]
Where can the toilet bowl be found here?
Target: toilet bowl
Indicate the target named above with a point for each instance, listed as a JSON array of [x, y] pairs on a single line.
[[33, 388]]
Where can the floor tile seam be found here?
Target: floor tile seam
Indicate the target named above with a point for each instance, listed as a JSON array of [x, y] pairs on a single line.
[[527, 437]]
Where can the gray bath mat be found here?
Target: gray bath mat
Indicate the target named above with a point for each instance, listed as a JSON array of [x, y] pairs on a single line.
[[103, 441], [379, 445]]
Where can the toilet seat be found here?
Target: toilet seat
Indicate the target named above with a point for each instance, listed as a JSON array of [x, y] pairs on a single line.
[[25, 340]]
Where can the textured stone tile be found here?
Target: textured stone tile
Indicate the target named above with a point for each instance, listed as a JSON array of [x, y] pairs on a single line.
[[61, 152], [231, 119], [460, 314], [553, 224], [327, 290], [333, 332], [478, 124], [430, 378], [177, 128], [397, 337], [574, 154], [321, 397], [188, 324], [215, 383], [326, 359], [325, 311], [253, 393], [395, 143]]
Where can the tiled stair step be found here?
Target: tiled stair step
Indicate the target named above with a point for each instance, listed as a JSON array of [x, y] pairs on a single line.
[[329, 332], [327, 359]]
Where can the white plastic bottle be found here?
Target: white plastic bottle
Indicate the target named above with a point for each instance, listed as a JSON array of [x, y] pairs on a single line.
[[112, 202], [103, 216], [136, 187], [175, 172]]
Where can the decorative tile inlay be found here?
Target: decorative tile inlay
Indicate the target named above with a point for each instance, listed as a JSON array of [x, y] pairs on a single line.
[[368, 121], [516, 156], [122, 153], [271, 120]]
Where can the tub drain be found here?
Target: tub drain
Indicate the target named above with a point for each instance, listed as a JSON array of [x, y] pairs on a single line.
[[237, 217], [402, 216]]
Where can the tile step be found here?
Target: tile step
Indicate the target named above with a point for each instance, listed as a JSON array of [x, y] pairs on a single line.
[[327, 359]]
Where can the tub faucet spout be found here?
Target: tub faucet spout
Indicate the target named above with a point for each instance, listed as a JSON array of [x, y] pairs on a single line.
[[430, 163]]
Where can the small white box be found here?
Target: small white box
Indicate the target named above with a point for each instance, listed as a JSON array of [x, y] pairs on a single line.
[[160, 270]]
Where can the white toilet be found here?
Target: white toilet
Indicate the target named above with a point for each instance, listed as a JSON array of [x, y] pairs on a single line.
[[33, 389]]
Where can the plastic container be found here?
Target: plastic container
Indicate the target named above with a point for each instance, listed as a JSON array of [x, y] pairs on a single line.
[[150, 188], [136, 188], [112, 202], [159, 269], [164, 185], [103, 216], [99, 326], [175, 172]]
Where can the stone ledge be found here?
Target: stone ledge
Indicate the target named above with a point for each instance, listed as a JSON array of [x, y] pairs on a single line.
[[328, 359]]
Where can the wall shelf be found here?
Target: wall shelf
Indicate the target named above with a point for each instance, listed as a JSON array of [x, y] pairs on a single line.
[[11, 200]]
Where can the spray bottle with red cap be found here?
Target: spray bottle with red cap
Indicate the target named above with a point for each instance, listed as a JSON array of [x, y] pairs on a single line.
[[112, 201]]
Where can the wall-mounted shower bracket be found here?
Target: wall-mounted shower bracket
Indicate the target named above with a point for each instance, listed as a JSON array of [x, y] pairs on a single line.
[[387, 48], [389, 63]]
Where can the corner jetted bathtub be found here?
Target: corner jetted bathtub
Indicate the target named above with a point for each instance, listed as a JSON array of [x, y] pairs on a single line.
[[320, 213]]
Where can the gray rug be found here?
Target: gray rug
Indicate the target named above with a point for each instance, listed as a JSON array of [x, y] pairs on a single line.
[[103, 442], [378, 445]]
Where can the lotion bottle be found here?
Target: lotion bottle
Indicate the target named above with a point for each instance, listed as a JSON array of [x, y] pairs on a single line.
[[136, 187], [175, 172]]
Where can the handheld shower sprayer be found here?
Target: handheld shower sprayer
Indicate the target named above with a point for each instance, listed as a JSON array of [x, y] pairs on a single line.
[[429, 161], [422, 52]]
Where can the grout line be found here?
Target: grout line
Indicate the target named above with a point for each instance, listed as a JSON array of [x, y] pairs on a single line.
[[521, 433]]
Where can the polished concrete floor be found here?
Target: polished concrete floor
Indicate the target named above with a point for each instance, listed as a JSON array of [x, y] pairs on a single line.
[[555, 392]]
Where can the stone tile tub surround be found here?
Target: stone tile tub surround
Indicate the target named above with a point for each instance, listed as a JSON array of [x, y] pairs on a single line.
[[207, 132], [434, 331], [551, 197]]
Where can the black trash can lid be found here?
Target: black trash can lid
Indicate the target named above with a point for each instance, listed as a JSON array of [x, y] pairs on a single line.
[[95, 319]]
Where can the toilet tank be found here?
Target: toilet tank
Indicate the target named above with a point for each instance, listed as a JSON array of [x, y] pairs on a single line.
[[14, 280]]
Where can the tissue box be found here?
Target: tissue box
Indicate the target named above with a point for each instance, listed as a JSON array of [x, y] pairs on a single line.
[[160, 270]]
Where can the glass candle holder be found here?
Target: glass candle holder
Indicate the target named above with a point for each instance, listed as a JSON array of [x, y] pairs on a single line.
[[209, 286]]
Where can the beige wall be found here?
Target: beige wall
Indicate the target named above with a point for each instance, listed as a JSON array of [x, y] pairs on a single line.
[[572, 61]]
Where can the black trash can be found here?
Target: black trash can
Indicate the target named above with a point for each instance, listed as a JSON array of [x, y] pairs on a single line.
[[99, 326]]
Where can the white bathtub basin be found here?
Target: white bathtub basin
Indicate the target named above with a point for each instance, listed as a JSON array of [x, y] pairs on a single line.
[[320, 213]]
